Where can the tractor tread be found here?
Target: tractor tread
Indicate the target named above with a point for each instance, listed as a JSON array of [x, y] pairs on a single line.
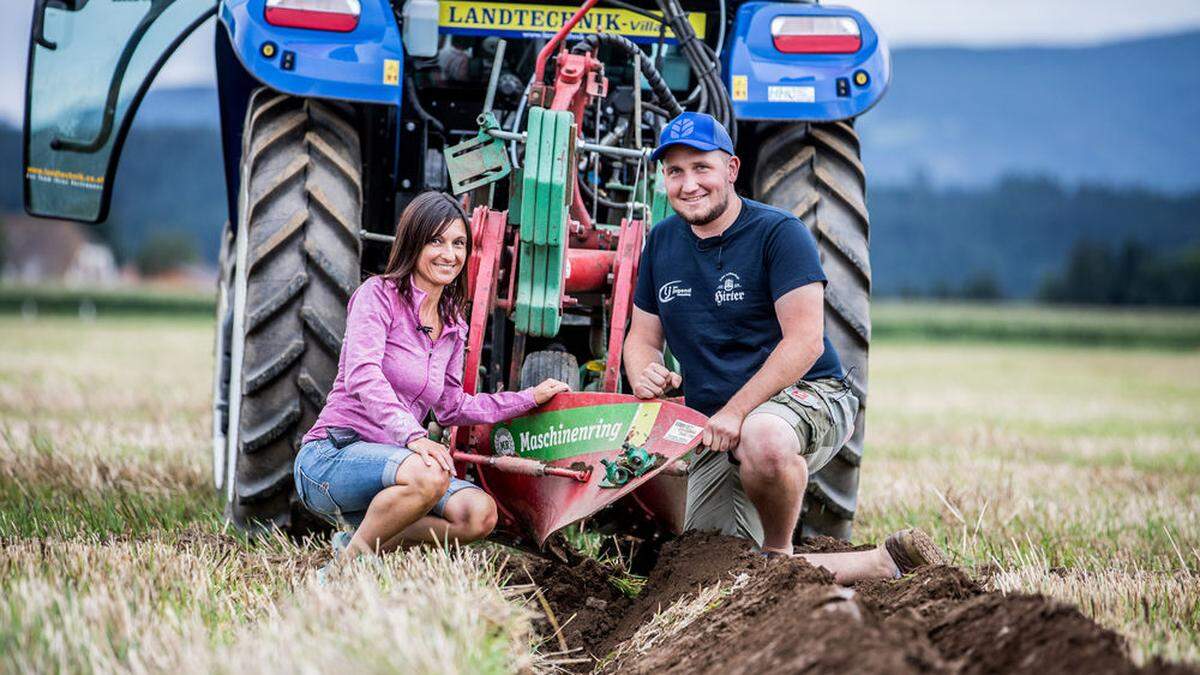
[[281, 298], [842, 246], [541, 365], [267, 373], [805, 206], [792, 164], [344, 283], [815, 171], [286, 175], [291, 124], [313, 392], [845, 152], [265, 487], [342, 163], [862, 328], [321, 200], [302, 207], [271, 429], [276, 241], [320, 327]]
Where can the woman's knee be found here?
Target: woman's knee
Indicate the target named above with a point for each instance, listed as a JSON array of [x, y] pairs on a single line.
[[474, 514], [430, 482]]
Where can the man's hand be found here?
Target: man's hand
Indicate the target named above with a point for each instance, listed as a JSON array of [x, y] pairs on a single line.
[[654, 381], [723, 430], [432, 453]]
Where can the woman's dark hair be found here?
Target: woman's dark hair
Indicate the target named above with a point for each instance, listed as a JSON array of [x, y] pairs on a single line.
[[427, 216]]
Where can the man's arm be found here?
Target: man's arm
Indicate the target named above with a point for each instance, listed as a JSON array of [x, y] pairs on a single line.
[[801, 315], [643, 356]]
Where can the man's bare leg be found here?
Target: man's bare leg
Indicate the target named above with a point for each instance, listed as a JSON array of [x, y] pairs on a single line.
[[418, 487], [775, 476]]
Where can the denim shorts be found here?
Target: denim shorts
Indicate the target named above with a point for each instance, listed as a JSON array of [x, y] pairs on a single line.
[[339, 484]]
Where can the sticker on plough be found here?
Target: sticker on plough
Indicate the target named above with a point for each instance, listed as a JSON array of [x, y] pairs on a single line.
[[623, 441]]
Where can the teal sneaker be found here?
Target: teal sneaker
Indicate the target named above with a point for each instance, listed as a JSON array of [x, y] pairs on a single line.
[[341, 541]]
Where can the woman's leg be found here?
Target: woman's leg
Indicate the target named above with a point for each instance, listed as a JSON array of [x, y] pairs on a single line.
[[469, 515], [418, 488]]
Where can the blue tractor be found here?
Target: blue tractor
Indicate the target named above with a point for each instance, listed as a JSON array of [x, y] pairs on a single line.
[[335, 113]]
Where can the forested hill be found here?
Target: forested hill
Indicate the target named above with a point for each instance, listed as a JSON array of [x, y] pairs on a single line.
[[1125, 113], [982, 164], [1015, 233]]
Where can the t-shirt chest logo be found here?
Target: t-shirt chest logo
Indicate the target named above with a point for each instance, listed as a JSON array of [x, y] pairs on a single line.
[[673, 289], [729, 289]]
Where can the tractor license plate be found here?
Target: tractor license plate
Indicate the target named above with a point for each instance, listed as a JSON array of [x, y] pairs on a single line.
[[530, 20]]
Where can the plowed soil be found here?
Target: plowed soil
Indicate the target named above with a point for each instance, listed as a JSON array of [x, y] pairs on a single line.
[[783, 615]]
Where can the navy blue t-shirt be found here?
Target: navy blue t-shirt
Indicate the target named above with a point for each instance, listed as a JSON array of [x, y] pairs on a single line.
[[716, 297]]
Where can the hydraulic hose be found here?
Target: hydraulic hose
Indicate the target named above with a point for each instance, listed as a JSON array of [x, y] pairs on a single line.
[[714, 97], [662, 93], [410, 93]]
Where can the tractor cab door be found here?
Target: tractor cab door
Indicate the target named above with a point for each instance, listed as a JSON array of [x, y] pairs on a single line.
[[90, 63]]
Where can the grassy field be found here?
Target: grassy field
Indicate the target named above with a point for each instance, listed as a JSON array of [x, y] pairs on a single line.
[[1066, 470]]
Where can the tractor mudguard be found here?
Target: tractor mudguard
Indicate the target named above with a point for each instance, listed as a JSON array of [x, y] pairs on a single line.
[[766, 83], [365, 64]]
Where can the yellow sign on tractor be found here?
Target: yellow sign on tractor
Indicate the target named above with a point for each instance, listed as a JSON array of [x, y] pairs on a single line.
[[531, 20]]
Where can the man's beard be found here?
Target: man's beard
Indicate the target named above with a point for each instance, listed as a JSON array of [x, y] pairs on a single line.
[[709, 216]]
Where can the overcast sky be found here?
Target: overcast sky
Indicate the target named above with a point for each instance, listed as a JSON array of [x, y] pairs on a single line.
[[905, 23]]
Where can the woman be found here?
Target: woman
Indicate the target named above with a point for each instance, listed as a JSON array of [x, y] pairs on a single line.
[[367, 461]]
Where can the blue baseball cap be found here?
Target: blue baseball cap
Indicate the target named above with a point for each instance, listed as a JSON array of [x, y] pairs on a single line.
[[698, 130]]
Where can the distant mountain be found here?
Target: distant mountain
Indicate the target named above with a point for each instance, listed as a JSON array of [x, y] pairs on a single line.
[[169, 178], [1121, 114], [180, 107], [1015, 233], [950, 154]]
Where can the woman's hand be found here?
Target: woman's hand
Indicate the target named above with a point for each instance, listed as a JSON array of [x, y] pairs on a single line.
[[433, 453], [548, 389]]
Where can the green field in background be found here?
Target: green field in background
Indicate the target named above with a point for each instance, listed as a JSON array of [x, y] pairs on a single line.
[[1039, 468], [891, 319], [1012, 322]]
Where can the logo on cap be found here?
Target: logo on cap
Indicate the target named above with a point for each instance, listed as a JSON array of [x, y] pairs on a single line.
[[682, 129]]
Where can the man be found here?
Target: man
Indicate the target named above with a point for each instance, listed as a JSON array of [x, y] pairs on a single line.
[[736, 289]]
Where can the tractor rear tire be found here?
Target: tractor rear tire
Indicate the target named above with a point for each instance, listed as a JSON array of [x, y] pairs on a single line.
[[221, 356], [815, 172], [298, 261], [559, 365]]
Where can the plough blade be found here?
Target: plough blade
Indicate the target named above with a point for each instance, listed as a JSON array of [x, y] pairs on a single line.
[[623, 441]]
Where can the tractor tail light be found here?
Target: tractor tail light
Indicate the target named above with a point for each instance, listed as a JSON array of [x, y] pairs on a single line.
[[332, 15], [816, 34]]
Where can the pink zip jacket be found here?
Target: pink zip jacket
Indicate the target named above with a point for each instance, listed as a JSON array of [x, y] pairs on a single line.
[[390, 374]]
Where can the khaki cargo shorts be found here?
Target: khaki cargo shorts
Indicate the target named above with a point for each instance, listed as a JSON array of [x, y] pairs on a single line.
[[821, 411]]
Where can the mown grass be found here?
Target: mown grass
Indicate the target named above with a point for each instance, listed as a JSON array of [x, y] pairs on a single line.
[[1074, 472], [1040, 324], [1069, 471], [114, 555]]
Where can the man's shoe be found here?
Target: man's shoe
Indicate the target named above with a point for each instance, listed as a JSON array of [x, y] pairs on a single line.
[[913, 548]]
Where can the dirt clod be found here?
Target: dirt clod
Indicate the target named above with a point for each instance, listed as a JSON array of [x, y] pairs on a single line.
[[784, 615]]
